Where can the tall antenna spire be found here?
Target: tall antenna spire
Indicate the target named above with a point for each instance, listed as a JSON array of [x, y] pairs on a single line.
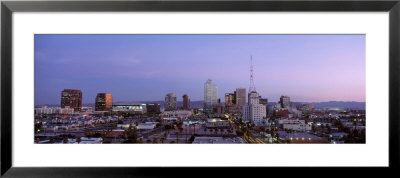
[[252, 87]]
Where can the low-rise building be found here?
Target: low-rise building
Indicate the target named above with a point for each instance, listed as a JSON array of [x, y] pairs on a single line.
[[301, 137], [146, 126], [218, 140], [130, 108], [217, 122], [178, 113], [54, 110], [295, 124], [123, 126]]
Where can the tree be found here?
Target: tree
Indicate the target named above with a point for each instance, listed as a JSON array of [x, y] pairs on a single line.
[[322, 128], [79, 140], [329, 128], [278, 138], [355, 123], [239, 133], [167, 127], [191, 139], [180, 130], [177, 137], [65, 140], [52, 140], [131, 134], [155, 140], [97, 135], [38, 127], [355, 133]]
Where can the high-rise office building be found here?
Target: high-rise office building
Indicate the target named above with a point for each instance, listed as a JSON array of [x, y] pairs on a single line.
[[285, 101], [186, 102], [210, 94], [230, 99], [71, 98], [240, 97], [104, 102], [170, 102]]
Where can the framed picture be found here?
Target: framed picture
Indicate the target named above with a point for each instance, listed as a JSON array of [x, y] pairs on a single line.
[[104, 88]]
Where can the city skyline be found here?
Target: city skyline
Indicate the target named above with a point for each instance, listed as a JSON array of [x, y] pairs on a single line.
[[318, 68]]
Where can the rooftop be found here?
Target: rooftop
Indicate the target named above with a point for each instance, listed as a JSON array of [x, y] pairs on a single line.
[[218, 140]]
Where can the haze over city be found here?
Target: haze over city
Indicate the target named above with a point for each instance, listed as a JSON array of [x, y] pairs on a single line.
[[308, 68]]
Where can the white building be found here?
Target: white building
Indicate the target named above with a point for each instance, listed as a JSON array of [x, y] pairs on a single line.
[[54, 110], [254, 111], [178, 113], [295, 124], [146, 126], [210, 94]]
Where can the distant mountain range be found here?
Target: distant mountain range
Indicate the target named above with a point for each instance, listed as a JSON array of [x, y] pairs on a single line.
[[339, 104], [199, 104]]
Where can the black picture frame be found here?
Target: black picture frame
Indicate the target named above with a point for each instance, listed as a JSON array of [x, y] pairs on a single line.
[[8, 7]]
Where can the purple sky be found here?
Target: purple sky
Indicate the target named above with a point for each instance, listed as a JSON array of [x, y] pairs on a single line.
[[309, 68]]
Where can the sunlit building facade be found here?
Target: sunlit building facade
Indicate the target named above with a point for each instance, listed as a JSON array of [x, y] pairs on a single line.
[[104, 102]]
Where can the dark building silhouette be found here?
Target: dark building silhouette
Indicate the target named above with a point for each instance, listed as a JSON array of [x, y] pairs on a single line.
[[186, 102], [219, 109], [71, 98], [153, 108], [104, 102], [263, 101], [285, 101]]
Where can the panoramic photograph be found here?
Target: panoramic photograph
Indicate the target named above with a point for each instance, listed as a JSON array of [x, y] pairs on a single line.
[[199, 89]]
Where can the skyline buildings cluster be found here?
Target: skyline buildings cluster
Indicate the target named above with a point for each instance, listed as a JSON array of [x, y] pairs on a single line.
[[254, 111]]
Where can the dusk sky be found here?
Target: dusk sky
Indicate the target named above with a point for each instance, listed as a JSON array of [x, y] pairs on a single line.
[[308, 68]]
